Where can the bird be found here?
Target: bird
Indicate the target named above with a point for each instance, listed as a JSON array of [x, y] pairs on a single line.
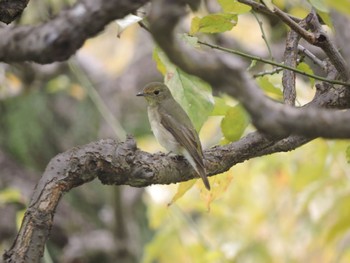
[[172, 127]]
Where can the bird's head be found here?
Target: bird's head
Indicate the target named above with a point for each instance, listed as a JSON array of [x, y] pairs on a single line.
[[155, 93]]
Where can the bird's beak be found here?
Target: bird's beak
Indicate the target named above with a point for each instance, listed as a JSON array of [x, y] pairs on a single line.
[[140, 94]]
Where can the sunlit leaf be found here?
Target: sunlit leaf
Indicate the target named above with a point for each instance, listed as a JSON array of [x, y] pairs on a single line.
[[348, 154], [194, 25], [19, 217], [219, 185], [62, 82], [267, 86], [269, 4], [214, 23], [220, 107], [320, 5], [159, 61], [193, 94], [182, 189], [10, 195], [234, 123], [232, 6], [341, 225], [342, 6]]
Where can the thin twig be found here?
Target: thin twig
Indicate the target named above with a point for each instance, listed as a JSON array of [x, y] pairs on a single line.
[[263, 35], [258, 7], [252, 57], [267, 72], [312, 56]]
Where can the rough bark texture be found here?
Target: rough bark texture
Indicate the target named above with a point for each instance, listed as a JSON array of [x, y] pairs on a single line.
[[11, 9], [281, 127], [59, 38]]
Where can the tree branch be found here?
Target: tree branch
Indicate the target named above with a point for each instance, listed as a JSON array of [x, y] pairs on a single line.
[[59, 38], [290, 59], [10, 10], [228, 75], [121, 163], [317, 36], [273, 63], [118, 164]]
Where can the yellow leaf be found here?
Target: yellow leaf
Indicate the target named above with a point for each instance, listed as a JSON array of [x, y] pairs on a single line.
[[219, 185], [194, 25], [182, 189], [10, 195], [19, 217]]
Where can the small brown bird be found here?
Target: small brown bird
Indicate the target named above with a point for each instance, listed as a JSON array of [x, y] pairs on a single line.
[[172, 127]]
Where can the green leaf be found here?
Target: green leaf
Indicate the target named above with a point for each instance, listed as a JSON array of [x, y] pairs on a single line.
[[159, 61], [269, 4], [347, 153], [320, 5], [194, 25], [193, 94], [339, 5], [220, 107], [306, 68], [269, 88], [183, 188], [234, 123], [213, 23], [234, 7], [191, 40], [341, 222], [10, 195]]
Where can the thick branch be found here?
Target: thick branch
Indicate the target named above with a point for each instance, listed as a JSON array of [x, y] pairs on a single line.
[[59, 38], [230, 76], [10, 10], [290, 59], [119, 164]]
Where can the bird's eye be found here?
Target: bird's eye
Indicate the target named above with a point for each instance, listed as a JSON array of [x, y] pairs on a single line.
[[156, 92]]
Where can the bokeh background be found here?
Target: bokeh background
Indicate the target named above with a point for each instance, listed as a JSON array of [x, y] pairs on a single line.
[[286, 207]]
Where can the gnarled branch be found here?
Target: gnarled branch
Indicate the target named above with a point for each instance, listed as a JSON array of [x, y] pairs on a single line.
[[10, 10], [61, 37], [230, 76]]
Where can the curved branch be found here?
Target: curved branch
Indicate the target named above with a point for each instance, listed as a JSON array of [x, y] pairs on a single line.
[[121, 163], [117, 163], [230, 76], [59, 38], [10, 10]]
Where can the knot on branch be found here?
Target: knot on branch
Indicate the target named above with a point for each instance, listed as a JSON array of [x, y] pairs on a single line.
[[120, 164]]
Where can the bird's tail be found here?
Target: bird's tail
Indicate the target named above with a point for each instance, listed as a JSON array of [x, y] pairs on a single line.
[[198, 165], [204, 177]]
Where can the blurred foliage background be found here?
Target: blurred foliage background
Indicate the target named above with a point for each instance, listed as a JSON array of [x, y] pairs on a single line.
[[286, 207]]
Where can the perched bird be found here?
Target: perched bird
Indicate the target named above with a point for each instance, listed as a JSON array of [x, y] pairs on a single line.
[[172, 127]]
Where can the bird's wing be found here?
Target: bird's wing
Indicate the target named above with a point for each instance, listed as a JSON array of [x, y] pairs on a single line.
[[187, 137]]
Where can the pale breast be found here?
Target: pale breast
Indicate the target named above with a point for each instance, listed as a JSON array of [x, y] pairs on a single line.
[[164, 137]]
